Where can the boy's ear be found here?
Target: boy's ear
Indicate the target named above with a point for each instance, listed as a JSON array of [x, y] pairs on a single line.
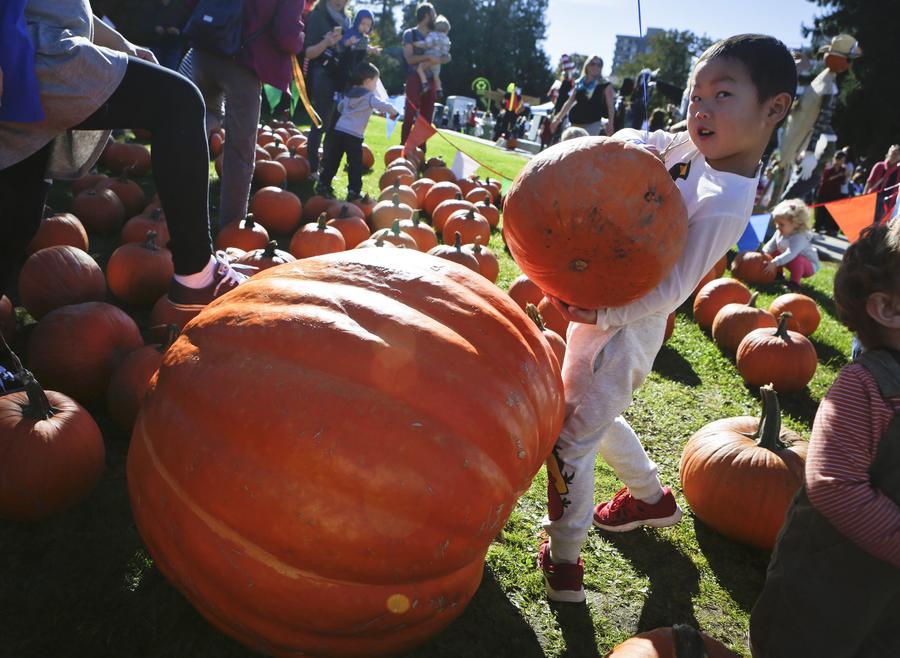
[[882, 307], [779, 106]]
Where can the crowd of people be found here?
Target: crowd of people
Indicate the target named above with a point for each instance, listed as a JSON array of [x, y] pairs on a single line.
[[92, 79]]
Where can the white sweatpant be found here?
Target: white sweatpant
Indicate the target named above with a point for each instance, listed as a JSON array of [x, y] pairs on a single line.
[[601, 371]]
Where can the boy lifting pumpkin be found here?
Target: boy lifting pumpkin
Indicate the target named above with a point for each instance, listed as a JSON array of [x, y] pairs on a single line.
[[833, 585], [740, 90]]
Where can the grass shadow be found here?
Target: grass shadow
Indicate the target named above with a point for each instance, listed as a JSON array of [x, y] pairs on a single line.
[[490, 626], [825, 302], [800, 405], [739, 569], [577, 628], [670, 364], [674, 578], [829, 354]]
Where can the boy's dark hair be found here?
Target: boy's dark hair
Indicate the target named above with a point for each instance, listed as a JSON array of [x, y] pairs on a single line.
[[769, 62], [871, 264], [363, 72], [422, 10]]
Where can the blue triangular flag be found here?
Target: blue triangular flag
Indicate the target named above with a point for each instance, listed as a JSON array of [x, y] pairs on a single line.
[[748, 241], [390, 124], [760, 224]]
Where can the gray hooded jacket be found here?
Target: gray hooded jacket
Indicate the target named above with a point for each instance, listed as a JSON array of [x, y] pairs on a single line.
[[356, 108]]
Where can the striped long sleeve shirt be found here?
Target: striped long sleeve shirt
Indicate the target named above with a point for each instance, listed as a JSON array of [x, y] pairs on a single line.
[[848, 428]]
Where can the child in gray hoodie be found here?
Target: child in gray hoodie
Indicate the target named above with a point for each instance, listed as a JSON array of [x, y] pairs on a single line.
[[347, 135]]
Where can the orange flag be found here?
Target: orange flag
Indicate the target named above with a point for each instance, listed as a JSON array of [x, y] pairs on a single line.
[[853, 214], [420, 133]]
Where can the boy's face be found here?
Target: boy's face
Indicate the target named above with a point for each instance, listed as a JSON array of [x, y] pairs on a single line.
[[726, 120], [371, 83], [365, 25]]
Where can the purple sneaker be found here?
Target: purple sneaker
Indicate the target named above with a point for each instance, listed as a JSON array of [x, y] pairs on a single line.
[[226, 277]]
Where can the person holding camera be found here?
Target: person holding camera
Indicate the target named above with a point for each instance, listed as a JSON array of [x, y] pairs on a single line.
[[591, 101]]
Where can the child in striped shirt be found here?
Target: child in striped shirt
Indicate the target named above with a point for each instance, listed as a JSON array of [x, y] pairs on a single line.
[[833, 585]]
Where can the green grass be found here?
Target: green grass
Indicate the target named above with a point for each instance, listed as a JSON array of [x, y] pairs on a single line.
[[82, 584]]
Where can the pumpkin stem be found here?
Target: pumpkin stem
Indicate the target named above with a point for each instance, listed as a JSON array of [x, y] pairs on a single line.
[[172, 332], [476, 246], [752, 302], [687, 642], [457, 242], [321, 221], [344, 211], [782, 331], [150, 242], [38, 405], [458, 196], [768, 434], [396, 198], [535, 316], [269, 251], [415, 218], [379, 241], [249, 222], [156, 214], [395, 227]]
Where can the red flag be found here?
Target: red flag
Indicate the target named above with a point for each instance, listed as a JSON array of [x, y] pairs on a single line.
[[853, 214], [420, 133]]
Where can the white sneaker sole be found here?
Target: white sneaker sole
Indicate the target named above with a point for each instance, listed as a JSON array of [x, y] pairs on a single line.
[[564, 595], [662, 522]]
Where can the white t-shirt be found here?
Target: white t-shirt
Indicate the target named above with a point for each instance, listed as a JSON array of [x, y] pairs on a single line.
[[718, 204]]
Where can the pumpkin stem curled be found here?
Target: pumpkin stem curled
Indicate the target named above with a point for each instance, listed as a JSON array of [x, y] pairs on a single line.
[[457, 242], [752, 302], [323, 218], [535, 316], [269, 251], [782, 331], [768, 434]]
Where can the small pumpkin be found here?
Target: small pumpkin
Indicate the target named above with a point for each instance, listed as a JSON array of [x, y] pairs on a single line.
[[247, 234], [716, 294], [385, 212], [100, 211], [75, 349], [557, 344], [269, 173], [397, 237], [336, 207], [470, 224], [421, 186], [440, 173], [446, 208], [87, 182], [805, 316], [366, 204], [487, 261], [734, 321], [58, 230], [135, 229], [479, 195], [405, 192], [315, 206], [263, 259], [490, 212], [749, 267], [740, 474], [53, 451], [317, 239], [552, 317], [377, 242], [129, 192], [368, 157], [456, 254], [352, 227], [421, 232], [122, 157], [280, 211], [139, 272], [296, 166], [524, 291], [396, 175], [392, 153], [785, 358], [58, 276], [440, 191]]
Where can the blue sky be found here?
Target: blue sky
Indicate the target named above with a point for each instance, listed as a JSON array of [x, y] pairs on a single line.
[[591, 26]]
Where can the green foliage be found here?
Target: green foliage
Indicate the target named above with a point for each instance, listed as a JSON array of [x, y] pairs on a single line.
[[671, 52], [867, 113]]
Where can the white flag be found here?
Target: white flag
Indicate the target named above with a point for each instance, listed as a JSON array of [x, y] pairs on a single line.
[[463, 165]]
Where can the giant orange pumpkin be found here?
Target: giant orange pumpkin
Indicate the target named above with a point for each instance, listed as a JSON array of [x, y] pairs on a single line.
[[785, 358], [53, 452], [357, 523], [595, 222], [740, 474]]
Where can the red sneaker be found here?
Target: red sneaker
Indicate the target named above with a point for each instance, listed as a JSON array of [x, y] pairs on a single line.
[[564, 582], [226, 277], [625, 512]]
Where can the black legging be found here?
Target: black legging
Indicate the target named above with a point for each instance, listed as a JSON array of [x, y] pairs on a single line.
[[150, 97]]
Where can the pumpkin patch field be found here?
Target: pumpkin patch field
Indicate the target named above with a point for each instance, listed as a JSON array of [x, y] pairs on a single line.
[[78, 576]]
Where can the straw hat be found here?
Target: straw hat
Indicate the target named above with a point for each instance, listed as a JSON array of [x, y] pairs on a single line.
[[843, 45]]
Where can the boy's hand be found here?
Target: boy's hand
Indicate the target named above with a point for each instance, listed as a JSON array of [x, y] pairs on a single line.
[[573, 313]]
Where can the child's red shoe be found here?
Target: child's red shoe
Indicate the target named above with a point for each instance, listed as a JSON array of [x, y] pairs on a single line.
[[625, 512], [564, 582]]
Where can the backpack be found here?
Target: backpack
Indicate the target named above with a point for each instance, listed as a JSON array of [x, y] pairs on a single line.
[[215, 25]]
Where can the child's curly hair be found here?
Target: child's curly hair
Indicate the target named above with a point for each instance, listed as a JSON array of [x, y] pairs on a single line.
[[870, 265], [796, 211]]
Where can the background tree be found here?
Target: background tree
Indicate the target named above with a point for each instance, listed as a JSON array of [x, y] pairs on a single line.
[[671, 52], [868, 112]]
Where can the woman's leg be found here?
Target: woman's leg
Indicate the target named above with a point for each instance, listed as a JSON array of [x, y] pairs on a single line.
[[323, 102], [23, 192], [169, 106]]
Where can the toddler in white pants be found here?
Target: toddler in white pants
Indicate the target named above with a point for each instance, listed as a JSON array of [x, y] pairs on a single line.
[[741, 90]]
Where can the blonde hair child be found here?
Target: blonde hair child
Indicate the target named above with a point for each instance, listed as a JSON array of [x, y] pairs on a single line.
[[792, 243]]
